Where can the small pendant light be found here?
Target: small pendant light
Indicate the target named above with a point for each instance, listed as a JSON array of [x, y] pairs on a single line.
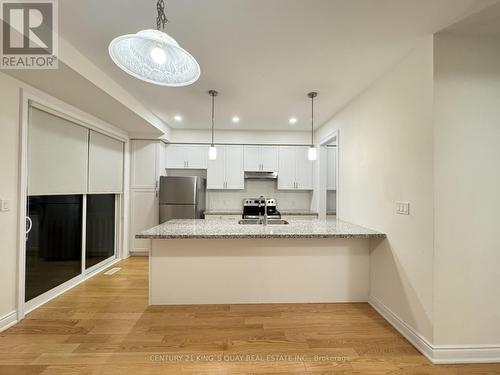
[[212, 151], [312, 154]]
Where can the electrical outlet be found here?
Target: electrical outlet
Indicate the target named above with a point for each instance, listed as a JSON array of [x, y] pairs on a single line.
[[402, 208], [4, 205]]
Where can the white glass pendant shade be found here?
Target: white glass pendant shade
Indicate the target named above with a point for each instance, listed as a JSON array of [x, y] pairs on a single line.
[[212, 153], [312, 154], [155, 57]]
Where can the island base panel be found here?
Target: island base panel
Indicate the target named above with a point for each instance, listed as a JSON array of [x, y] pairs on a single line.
[[239, 271]]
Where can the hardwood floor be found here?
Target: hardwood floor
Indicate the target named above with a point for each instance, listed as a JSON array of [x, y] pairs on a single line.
[[104, 326]]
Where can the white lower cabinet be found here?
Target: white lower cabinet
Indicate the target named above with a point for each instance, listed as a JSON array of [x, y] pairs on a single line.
[[144, 213], [299, 217], [295, 170], [223, 217], [226, 172]]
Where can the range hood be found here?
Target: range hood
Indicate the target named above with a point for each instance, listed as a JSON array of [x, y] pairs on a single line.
[[261, 175]]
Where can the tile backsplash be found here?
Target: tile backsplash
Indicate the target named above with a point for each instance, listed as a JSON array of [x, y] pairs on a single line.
[[222, 200], [232, 199]]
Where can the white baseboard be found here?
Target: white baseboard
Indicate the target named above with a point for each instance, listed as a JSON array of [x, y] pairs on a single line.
[[417, 340], [438, 354], [8, 320], [444, 354], [139, 253]]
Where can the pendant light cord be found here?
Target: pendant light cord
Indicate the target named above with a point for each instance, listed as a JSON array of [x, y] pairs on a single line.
[[161, 19], [312, 95], [213, 94], [213, 125], [312, 121]]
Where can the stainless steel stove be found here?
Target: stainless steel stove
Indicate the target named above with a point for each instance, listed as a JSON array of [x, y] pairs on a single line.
[[255, 208]]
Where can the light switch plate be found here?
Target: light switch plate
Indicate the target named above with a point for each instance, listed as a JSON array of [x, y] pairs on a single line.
[[403, 208], [4, 205]]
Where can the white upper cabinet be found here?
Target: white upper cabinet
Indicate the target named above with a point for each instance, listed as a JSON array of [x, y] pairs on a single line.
[[332, 168], [270, 158], [187, 156], [303, 169], [261, 158], [295, 170], [235, 176], [105, 164], [216, 171], [57, 155], [286, 173], [226, 172], [253, 158], [144, 164]]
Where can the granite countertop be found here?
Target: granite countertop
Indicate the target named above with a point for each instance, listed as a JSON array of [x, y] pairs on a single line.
[[225, 229], [282, 212]]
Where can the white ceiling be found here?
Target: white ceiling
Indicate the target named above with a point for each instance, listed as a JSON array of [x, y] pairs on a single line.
[[485, 23], [263, 56]]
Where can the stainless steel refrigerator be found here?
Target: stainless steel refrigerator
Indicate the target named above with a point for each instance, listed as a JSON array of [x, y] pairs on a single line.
[[182, 198]]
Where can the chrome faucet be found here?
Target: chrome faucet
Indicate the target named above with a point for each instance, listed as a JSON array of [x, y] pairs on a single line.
[[265, 210]]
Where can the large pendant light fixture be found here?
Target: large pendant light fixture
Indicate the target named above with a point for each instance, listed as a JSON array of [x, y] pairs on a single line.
[[312, 154], [212, 151], [154, 56]]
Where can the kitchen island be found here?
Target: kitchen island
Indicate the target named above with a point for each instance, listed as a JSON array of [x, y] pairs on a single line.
[[223, 262]]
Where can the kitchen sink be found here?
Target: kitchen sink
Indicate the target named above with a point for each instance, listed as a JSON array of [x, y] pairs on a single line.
[[261, 222]]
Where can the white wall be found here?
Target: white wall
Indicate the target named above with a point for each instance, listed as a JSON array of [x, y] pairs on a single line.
[[467, 186], [9, 125], [385, 155], [241, 136]]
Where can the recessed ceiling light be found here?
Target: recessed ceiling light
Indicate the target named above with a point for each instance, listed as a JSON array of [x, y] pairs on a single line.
[[236, 119], [178, 118], [293, 120]]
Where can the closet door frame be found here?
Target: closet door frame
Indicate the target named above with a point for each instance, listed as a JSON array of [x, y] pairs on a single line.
[[30, 97]]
